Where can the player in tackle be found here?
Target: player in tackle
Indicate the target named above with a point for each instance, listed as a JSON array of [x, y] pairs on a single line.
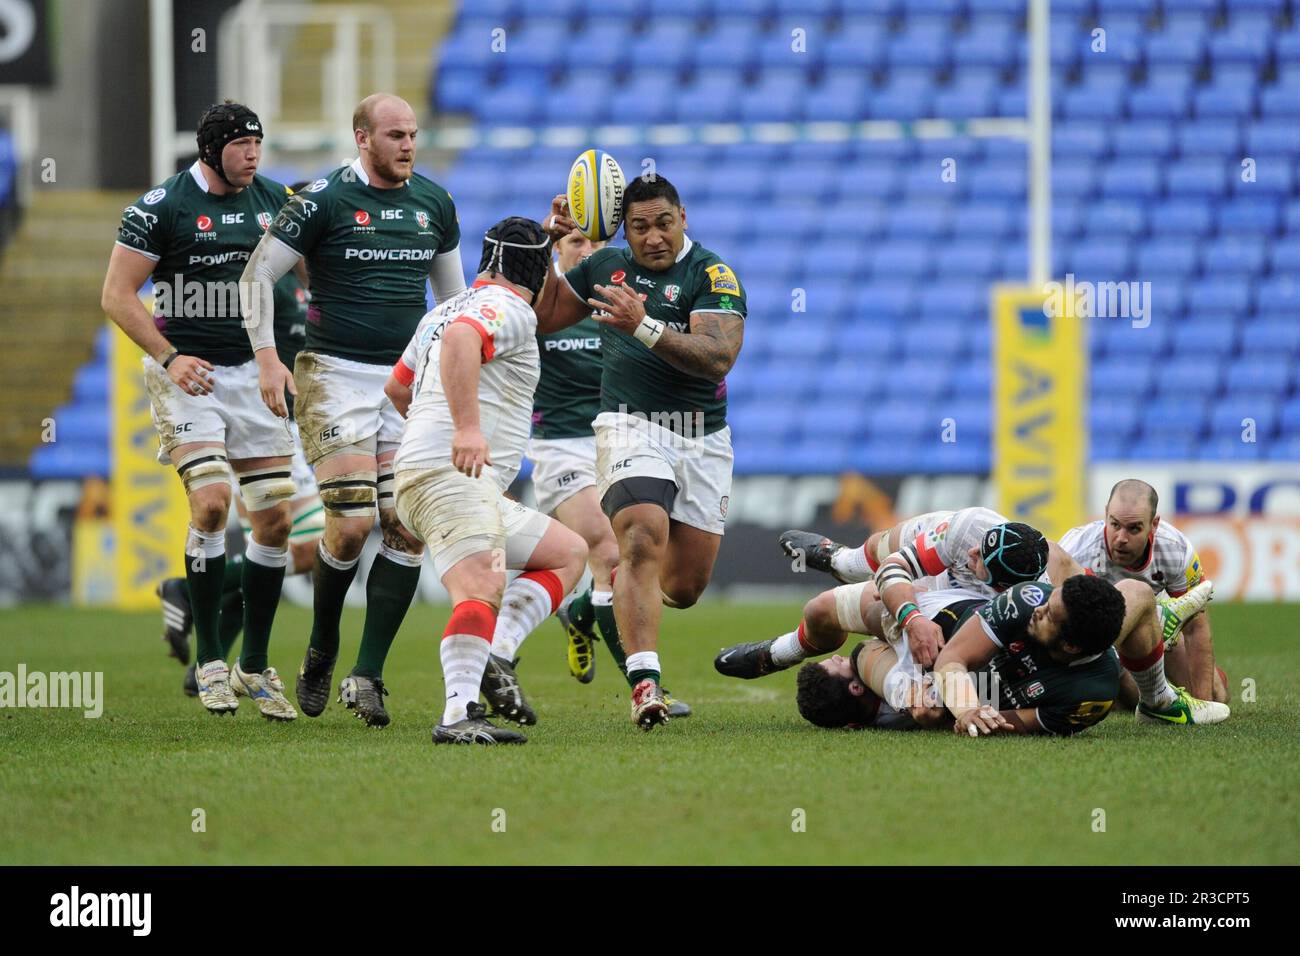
[[193, 234], [1132, 543], [563, 449], [671, 315], [1042, 654], [372, 233], [469, 375]]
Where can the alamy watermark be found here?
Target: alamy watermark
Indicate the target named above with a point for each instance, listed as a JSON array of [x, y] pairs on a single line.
[[78, 690], [1099, 300]]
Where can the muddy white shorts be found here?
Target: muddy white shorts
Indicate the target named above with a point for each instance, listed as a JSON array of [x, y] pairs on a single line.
[[233, 413], [456, 516], [629, 446], [561, 468], [341, 403]]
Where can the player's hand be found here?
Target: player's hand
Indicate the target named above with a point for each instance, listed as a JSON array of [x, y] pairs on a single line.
[[469, 451], [980, 721], [618, 306], [924, 640], [272, 379], [191, 374], [558, 224]]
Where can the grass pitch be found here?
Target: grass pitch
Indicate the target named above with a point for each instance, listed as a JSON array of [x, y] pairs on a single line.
[[729, 785]]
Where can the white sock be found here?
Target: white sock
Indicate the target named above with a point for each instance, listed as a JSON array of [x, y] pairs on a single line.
[[524, 606], [852, 563], [602, 598], [265, 556], [1153, 686], [337, 563], [210, 544], [643, 661], [464, 659], [788, 649]]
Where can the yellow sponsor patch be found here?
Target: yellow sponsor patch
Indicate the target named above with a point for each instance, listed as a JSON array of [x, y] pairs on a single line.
[[722, 279]]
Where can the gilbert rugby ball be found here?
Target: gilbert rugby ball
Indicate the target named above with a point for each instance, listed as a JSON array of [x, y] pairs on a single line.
[[595, 194]]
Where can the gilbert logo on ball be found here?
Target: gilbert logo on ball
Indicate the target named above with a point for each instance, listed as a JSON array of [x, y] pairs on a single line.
[[595, 194]]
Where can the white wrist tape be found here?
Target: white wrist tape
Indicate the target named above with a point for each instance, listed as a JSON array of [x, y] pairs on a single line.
[[649, 331]]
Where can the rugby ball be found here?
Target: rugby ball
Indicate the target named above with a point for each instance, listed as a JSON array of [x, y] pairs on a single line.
[[595, 194]]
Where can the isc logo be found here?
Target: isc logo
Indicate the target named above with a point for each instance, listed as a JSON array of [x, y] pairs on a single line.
[[181, 429], [330, 434], [391, 213], [231, 218]]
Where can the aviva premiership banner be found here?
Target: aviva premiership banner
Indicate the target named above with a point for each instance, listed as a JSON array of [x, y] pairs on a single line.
[[150, 514], [1040, 378]]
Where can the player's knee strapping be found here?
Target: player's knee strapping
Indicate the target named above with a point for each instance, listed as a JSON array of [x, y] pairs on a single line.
[[352, 495], [641, 490], [203, 467], [387, 486], [263, 488], [848, 607]]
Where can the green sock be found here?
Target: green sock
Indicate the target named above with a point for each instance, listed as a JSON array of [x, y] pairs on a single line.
[[261, 598], [604, 615], [204, 576], [232, 620], [582, 611], [389, 591], [231, 579], [329, 588]]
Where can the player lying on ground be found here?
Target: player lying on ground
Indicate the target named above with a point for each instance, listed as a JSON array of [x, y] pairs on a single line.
[[563, 450], [671, 315], [199, 228], [975, 548], [305, 510], [1140, 639], [1132, 543], [372, 232], [469, 375], [1041, 654]]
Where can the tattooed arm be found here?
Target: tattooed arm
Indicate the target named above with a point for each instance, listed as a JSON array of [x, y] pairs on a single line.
[[708, 351]]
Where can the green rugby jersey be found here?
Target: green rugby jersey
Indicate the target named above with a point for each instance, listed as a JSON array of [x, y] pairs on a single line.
[[568, 392], [369, 252], [1069, 697], [634, 379], [200, 243]]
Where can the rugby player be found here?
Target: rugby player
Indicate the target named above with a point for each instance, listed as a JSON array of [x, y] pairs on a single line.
[[1042, 652], [563, 450], [973, 548], [192, 234], [469, 375], [372, 233], [671, 316], [306, 513], [1132, 543]]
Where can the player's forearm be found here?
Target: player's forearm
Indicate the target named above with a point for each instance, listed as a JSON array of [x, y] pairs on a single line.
[[895, 586], [696, 354], [459, 367], [128, 312], [953, 684]]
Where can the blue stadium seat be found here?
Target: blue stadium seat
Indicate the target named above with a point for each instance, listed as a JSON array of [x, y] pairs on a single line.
[[1122, 380], [1133, 179], [1222, 295], [1280, 102], [1255, 216], [1080, 141], [1227, 417], [1199, 375], [1237, 255], [1196, 177], [1173, 256], [1184, 49], [1144, 139], [1209, 138], [991, 220], [1273, 175], [1157, 103], [1204, 335], [1218, 102], [1114, 416]]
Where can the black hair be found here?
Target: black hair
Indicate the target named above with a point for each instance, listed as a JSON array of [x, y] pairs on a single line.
[[1013, 552], [520, 250], [1094, 610], [825, 700], [645, 188]]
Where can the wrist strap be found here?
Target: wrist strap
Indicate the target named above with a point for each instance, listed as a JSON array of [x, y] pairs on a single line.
[[905, 613], [649, 331], [170, 358]]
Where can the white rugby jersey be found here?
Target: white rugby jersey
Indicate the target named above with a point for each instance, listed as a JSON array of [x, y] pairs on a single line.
[[507, 379], [943, 540], [1172, 564]]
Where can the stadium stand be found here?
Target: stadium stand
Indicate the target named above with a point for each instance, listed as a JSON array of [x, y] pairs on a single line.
[[1174, 145]]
